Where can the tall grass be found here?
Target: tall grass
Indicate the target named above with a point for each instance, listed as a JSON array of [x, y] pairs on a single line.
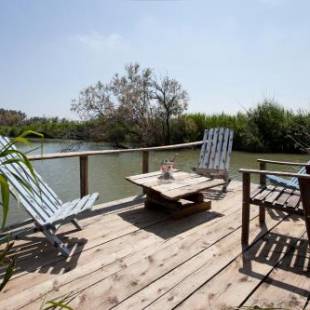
[[268, 127]]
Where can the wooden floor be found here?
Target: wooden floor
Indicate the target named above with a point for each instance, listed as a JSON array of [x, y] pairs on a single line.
[[128, 257]]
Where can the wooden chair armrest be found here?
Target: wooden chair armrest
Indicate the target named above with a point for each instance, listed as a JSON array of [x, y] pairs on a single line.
[[286, 163], [278, 173]]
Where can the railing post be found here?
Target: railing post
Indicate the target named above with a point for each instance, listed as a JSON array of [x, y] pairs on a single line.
[[246, 188], [83, 175], [262, 177], [262, 182], [145, 161]]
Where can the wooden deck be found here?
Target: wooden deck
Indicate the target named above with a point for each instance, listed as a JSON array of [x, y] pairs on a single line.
[[128, 257]]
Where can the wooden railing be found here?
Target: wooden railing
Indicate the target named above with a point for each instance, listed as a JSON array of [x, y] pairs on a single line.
[[83, 157]]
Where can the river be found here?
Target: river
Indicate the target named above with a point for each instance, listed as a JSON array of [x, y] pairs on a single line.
[[107, 172]]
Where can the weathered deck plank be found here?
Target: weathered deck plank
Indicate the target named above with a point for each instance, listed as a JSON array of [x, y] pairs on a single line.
[[277, 290], [238, 280], [133, 258], [194, 226], [175, 286]]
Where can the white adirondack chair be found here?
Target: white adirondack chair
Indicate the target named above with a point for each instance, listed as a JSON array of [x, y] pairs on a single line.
[[215, 154], [41, 202], [291, 183]]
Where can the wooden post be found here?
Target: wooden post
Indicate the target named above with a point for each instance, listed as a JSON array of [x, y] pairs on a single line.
[[308, 169], [145, 164], [145, 161], [262, 182], [262, 177], [304, 185], [246, 187], [83, 175]]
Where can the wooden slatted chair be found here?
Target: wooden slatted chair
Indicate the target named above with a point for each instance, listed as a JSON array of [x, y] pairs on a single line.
[[290, 201], [41, 202], [215, 154]]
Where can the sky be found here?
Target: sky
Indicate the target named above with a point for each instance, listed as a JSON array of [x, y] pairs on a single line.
[[229, 55]]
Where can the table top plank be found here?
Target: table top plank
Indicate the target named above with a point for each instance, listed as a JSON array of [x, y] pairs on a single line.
[[178, 183], [183, 184], [153, 180], [191, 189]]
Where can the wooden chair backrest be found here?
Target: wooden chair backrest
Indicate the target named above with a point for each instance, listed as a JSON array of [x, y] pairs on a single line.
[[216, 150]]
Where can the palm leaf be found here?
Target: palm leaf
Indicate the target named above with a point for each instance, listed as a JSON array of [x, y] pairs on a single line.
[[5, 195], [15, 157]]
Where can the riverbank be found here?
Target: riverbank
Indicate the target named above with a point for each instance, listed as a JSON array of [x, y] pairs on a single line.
[[268, 127]]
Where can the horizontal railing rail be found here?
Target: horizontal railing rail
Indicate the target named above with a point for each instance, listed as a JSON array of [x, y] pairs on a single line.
[[116, 151], [83, 157]]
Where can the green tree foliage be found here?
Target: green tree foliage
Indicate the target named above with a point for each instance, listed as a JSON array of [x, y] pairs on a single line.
[[52, 127], [134, 106], [11, 117], [268, 127], [172, 101], [131, 114]]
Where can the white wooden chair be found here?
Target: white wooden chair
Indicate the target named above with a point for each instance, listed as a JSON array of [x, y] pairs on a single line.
[[291, 183], [41, 202], [215, 154]]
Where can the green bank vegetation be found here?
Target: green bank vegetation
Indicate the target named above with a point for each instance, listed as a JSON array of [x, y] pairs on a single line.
[[266, 128], [137, 109]]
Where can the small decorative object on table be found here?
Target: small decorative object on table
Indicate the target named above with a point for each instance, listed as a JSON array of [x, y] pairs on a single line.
[[166, 169]]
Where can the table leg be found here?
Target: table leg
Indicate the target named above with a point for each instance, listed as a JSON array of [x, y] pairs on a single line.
[[179, 208]]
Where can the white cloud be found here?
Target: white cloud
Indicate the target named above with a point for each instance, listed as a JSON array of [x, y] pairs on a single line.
[[98, 41]]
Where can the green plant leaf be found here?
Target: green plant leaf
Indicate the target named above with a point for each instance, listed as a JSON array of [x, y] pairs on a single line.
[[8, 274], [5, 195], [22, 181], [11, 161], [31, 132], [21, 140]]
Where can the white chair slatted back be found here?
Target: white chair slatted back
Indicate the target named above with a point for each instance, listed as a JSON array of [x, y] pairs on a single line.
[[39, 200], [206, 147], [214, 144], [294, 181], [226, 161], [219, 149], [216, 149]]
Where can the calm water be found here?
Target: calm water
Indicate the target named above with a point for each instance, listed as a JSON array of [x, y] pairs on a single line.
[[107, 172]]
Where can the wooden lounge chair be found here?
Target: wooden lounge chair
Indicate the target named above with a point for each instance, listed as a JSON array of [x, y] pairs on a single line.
[[289, 201], [215, 154], [287, 183], [41, 202]]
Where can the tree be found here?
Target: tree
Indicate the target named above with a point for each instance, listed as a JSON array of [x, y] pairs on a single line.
[[172, 102], [94, 101], [136, 111], [11, 117], [134, 103]]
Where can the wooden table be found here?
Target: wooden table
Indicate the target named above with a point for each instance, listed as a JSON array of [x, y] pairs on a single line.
[[180, 196]]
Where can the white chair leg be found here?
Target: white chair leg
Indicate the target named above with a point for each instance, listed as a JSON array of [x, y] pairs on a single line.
[[227, 181], [76, 224], [55, 241]]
